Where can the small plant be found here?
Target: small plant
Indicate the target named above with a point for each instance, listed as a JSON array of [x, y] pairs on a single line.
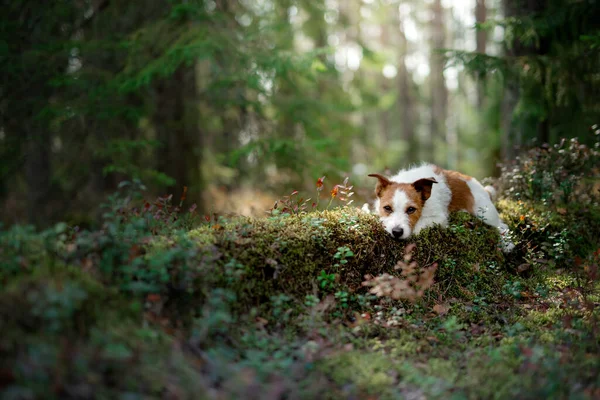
[[280, 304], [234, 270], [325, 280], [513, 288], [343, 298], [557, 245], [452, 326], [342, 254], [290, 204], [412, 283], [342, 193], [351, 221], [311, 300]]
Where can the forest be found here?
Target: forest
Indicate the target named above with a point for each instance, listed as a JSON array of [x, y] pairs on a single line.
[[181, 184]]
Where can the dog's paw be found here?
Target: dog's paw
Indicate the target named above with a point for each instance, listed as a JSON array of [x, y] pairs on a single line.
[[506, 242], [366, 209]]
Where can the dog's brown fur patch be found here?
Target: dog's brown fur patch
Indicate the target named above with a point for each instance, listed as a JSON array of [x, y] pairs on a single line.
[[462, 198]]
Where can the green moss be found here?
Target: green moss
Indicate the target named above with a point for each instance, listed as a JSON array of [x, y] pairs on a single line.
[[365, 372], [470, 263], [289, 253]]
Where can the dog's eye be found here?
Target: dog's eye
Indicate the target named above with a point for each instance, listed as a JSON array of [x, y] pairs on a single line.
[[410, 210], [388, 209]]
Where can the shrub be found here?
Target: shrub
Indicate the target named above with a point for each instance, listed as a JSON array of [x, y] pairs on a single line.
[[561, 174]]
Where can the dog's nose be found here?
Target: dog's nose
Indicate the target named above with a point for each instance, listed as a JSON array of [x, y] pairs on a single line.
[[397, 232]]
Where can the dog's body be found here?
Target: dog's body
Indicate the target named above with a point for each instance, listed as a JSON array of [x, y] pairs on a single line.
[[423, 196]]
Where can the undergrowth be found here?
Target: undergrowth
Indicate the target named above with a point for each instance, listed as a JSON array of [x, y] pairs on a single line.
[[314, 300]]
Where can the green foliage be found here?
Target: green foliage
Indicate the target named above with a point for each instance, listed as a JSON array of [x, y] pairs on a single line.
[[162, 91], [550, 200], [554, 175], [549, 65]]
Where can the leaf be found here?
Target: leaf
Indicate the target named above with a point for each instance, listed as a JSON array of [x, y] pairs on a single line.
[[183, 194], [320, 182], [334, 191], [441, 309], [318, 66], [153, 298]]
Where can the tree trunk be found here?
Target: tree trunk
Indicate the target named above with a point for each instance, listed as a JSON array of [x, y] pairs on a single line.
[[513, 135], [385, 88], [439, 92], [406, 103], [38, 173], [481, 40], [177, 129]]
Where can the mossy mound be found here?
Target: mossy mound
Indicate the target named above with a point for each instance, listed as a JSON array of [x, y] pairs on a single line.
[[470, 262], [286, 253], [291, 254]]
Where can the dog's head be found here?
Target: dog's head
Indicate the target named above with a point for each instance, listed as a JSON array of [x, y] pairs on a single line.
[[400, 204]]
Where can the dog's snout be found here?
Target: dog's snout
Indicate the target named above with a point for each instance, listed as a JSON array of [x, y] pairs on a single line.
[[397, 232]]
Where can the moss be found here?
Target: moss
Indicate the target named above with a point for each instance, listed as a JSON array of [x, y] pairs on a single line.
[[470, 262], [288, 253], [364, 372]]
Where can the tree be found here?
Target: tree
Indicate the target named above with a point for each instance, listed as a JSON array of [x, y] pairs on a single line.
[[406, 106], [438, 90], [481, 44]]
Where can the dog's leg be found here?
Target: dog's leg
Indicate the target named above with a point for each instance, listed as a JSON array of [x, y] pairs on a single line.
[[485, 209]]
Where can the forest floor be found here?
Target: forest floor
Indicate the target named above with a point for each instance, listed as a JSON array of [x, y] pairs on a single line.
[[300, 305]]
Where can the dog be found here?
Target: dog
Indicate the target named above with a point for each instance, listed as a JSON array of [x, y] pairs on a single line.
[[419, 197]]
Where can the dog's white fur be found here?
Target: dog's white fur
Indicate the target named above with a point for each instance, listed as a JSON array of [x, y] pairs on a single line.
[[435, 209]]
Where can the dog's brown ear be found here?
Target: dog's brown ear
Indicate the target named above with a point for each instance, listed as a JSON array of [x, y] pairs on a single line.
[[381, 185], [423, 186]]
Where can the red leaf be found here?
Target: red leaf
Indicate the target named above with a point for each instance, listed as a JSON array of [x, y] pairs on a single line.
[[320, 182], [153, 297], [185, 188], [334, 191], [441, 309]]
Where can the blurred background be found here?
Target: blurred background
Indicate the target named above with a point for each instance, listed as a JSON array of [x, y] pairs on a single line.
[[243, 101]]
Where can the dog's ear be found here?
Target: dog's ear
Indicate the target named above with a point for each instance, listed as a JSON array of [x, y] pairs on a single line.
[[381, 185], [423, 186]]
